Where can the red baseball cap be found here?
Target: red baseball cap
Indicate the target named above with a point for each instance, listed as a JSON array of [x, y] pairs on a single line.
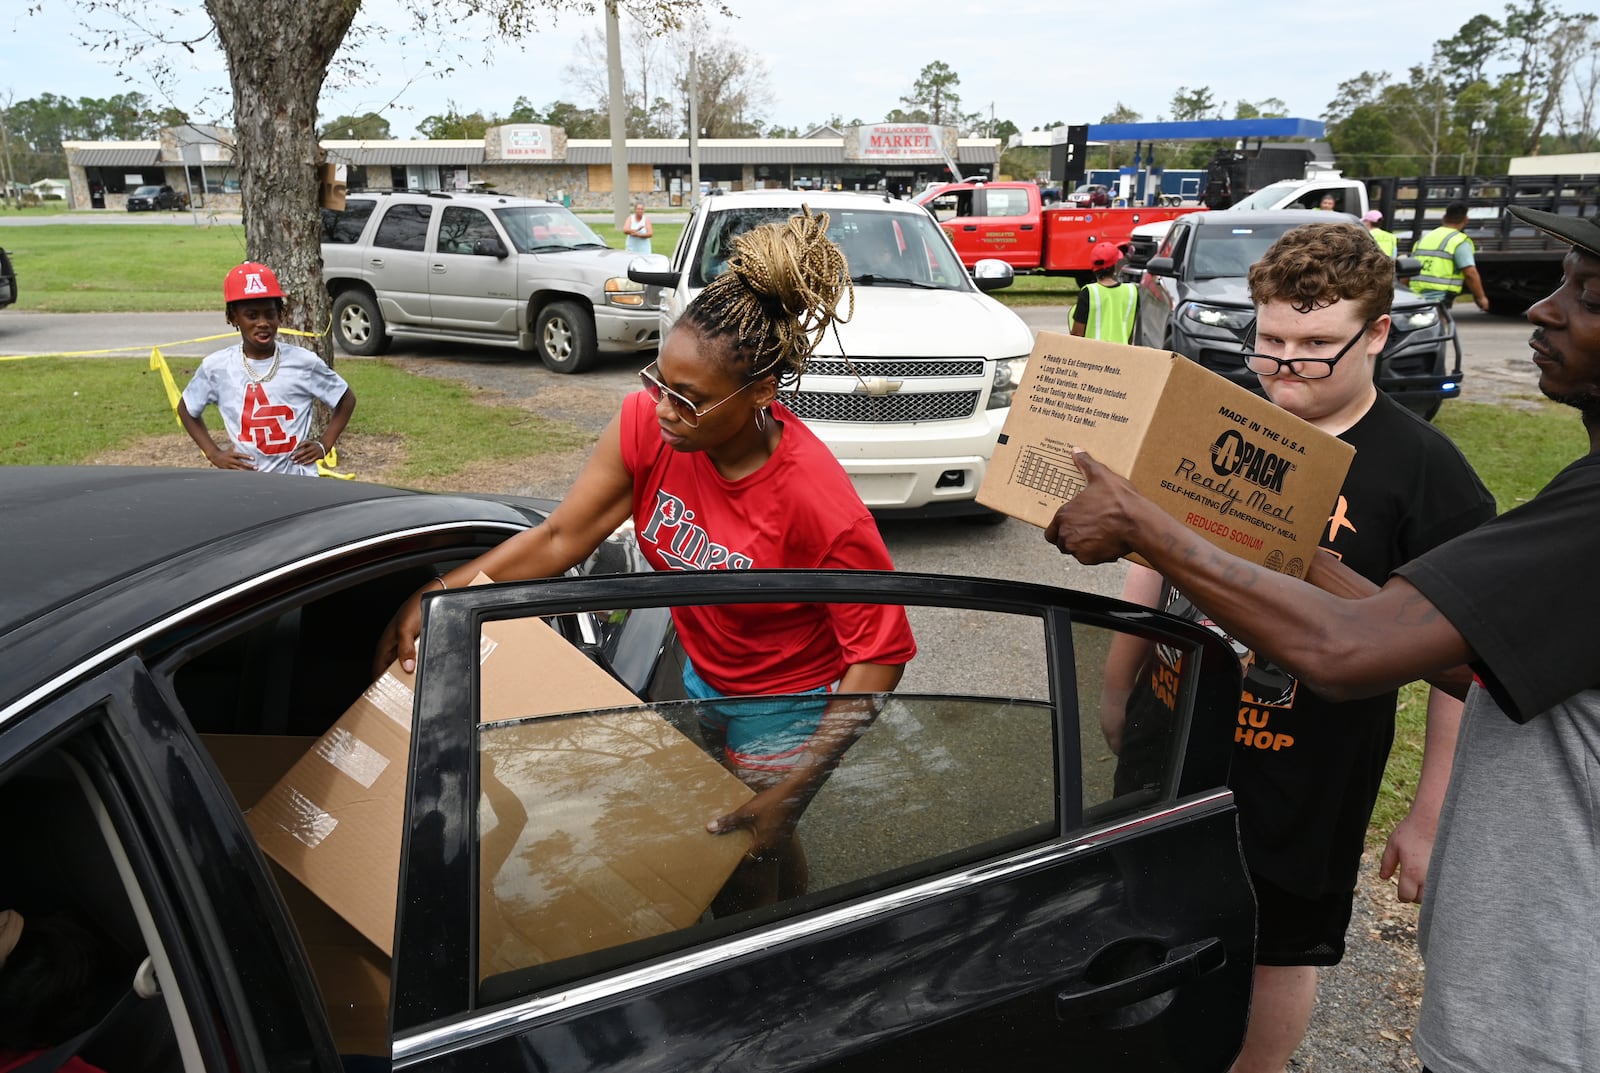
[[1104, 254], [248, 281]]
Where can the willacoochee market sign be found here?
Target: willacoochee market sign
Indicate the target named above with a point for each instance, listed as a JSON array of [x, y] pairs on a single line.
[[905, 142]]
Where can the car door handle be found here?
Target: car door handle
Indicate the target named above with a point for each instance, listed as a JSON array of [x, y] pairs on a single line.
[[1027, 227], [969, 227], [439, 268], [1181, 965], [376, 262]]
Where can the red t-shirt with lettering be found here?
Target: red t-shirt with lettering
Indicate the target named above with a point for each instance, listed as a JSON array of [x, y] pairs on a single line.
[[798, 511]]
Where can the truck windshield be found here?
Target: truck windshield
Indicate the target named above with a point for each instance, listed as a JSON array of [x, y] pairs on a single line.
[[1230, 251], [889, 249], [546, 229]]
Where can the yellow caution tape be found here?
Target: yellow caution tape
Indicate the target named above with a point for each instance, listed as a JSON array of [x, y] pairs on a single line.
[[158, 363], [326, 464]]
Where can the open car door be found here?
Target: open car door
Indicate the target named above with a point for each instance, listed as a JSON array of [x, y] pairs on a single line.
[[980, 895]]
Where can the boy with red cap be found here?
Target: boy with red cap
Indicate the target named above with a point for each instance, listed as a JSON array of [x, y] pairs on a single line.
[[1105, 308], [263, 388]]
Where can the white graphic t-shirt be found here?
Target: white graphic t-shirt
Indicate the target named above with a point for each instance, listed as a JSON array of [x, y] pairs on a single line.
[[269, 419]]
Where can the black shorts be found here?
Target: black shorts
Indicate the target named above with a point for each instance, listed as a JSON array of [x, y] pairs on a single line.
[[1294, 930]]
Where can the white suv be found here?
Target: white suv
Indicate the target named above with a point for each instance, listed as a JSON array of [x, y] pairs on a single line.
[[915, 403]]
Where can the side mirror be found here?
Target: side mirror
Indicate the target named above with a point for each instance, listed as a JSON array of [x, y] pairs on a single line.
[[653, 270], [1406, 267], [991, 274], [1161, 266], [489, 247]]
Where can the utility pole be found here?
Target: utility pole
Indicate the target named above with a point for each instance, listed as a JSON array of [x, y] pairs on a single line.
[[694, 125], [619, 121], [5, 149]]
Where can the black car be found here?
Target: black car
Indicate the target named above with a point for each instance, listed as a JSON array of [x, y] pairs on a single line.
[[1194, 299], [8, 280], [151, 198], [979, 896]]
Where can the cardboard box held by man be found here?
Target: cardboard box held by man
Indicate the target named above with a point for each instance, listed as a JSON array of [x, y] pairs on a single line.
[[1251, 478]]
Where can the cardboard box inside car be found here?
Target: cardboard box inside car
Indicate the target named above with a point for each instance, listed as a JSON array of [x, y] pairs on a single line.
[[334, 820], [1249, 477]]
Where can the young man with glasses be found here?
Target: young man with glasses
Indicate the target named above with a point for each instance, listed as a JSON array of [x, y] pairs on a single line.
[[1306, 771]]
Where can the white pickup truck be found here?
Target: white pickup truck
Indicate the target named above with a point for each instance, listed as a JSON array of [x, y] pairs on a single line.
[[1349, 195]]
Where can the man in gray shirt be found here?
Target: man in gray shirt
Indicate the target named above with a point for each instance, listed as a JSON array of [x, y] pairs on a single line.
[[1513, 888]]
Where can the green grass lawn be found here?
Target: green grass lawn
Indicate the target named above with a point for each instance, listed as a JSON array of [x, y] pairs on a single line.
[[1032, 290], [1515, 453], [122, 268], [144, 268], [61, 411]]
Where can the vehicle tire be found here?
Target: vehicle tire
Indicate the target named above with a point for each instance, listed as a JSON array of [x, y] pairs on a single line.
[[357, 324], [564, 336]]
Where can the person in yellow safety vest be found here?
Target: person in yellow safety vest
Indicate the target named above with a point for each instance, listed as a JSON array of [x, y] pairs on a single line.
[[1447, 260], [1105, 307], [1385, 239]]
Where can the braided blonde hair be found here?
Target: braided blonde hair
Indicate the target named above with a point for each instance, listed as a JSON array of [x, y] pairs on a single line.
[[778, 297]]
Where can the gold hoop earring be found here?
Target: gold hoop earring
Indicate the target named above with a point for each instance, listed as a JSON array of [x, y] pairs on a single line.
[[761, 419]]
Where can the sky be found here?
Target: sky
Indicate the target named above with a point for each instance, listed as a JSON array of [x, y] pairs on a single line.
[[1033, 63]]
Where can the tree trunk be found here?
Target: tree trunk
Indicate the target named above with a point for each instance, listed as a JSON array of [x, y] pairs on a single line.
[[278, 55]]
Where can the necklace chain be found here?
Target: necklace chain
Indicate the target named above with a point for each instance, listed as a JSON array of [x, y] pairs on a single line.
[[277, 357]]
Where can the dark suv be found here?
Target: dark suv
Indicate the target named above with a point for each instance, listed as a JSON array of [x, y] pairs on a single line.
[[1194, 299], [8, 280], [151, 198]]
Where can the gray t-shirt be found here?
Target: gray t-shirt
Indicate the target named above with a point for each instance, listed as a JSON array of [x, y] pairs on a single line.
[[1511, 913], [267, 420]]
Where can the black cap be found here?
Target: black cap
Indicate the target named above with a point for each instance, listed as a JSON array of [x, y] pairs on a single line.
[[1582, 231]]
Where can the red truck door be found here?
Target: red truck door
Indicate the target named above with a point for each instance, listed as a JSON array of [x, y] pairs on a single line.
[[999, 220]]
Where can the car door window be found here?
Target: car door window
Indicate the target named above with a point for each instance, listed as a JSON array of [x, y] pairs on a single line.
[[460, 228], [344, 228], [1005, 202], [587, 854], [404, 227]]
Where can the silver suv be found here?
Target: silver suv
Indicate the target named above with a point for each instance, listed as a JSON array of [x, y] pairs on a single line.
[[480, 268]]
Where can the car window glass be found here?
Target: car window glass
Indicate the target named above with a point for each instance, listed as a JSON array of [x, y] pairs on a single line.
[[951, 206], [893, 246], [593, 852], [460, 228], [1005, 202], [344, 228], [404, 227], [65, 874], [545, 228], [1223, 252], [680, 252]]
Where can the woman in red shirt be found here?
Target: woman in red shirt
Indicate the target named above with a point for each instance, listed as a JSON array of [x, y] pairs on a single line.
[[719, 475]]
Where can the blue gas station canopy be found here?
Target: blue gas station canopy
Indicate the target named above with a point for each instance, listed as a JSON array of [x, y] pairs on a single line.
[[1205, 130]]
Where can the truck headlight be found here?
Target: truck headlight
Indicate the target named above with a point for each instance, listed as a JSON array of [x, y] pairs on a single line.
[[1007, 375], [622, 291], [1235, 319], [1421, 318]]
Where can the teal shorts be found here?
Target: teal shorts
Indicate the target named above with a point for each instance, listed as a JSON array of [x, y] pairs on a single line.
[[759, 735]]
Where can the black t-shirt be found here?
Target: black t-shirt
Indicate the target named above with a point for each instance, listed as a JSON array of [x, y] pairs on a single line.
[[1524, 591], [1306, 770]]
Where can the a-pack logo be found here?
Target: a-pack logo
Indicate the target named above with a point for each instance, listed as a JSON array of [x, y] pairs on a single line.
[[1233, 454]]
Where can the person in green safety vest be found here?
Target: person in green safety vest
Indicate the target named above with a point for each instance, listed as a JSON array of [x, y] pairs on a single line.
[[1105, 307], [1385, 239], [1447, 260]]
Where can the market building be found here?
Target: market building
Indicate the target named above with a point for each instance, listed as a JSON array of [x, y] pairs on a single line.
[[533, 160]]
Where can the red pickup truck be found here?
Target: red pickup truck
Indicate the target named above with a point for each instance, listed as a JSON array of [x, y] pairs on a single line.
[[1008, 221]]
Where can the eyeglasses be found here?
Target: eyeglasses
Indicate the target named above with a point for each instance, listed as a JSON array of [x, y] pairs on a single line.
[[1304, 368], [688, 412]]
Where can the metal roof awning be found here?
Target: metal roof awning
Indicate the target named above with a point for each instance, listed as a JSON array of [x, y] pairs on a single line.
[[637, 154], [371, 155], [117, 158], [978, 154]]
